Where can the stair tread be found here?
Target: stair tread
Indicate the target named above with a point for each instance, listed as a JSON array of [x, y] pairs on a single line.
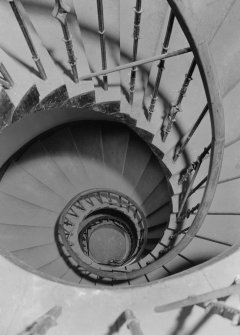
[[115, 143], [151, 177], [40, 164], [87, 282], [226, 19], [71, 276], [155, 233], [161, 216], [22, 185], [63, 151], [221, 228], [14, 237], [178, 264], [38, 256], [137, 158], [88, 139], [156, 198], [15, 210], [157, 274], [56, 268], [222, 202], [199, 251], [139, 280], [230, 163], [164, 146]]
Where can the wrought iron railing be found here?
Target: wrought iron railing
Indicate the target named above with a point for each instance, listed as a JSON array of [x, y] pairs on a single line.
[[60, 12]]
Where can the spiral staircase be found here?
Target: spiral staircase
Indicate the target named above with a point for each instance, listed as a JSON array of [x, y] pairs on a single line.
[[118, 188]]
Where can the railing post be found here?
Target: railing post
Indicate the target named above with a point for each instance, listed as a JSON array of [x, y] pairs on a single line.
[[161, 66], [60, 12], [186, 215], [28, 39], [203, 181], [136, 32], [101, 32], [176, 108], [180, 148], [194, 165]]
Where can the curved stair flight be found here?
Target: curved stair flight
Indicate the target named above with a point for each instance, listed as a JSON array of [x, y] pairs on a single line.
[[115, 170]]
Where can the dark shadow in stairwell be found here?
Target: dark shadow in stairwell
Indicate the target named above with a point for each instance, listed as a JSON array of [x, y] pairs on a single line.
[[181, 319], [183, 267], [20, 61], [66, 257], [76, 269]]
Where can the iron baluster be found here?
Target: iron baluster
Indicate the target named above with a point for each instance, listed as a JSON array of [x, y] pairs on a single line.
[[180, 148], [135, 211], [198, 186], [186, 215], [194, 165], [161, 65], [89, 201], [176, 108], [165, 249], [67, 233], [79, 205], [28, 39], [7, 80], [120, 201], [177, 233], [136, 32], [68, 222], [101, 32], [187, 194], [60, 12], [109, 197], [72, 212], [98, 197]]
